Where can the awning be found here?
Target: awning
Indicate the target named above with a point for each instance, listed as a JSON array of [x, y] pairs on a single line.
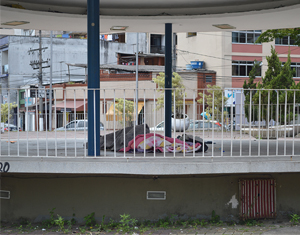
[[79, 104], [118, 115]]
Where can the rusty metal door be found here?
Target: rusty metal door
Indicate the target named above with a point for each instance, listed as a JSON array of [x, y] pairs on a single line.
[[257, 198]]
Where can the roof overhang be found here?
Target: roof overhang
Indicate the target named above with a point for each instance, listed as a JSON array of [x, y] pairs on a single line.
[[151, 16]]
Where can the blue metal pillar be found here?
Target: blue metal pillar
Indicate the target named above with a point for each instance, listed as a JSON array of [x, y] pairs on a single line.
[[93, 78], [168, 79]]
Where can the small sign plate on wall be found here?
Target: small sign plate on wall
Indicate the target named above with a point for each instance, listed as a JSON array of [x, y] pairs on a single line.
[[156, 195]]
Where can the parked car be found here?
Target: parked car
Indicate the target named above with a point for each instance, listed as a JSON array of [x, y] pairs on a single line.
[[79, 125], [208, 125], [159, 127], [11, 127], [198, 125]]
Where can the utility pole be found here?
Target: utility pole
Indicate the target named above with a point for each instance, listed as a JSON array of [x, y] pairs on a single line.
[[174, 52], [38, 64], [40, 76], [51, 57]]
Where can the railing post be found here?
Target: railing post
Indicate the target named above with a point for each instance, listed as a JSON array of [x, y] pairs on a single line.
[[93, 77], [168, 79]]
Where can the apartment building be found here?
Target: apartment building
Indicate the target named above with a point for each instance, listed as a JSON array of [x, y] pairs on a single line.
[[232, 54]]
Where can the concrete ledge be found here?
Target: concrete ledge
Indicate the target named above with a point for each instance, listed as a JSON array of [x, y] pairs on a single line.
[[153, 166]]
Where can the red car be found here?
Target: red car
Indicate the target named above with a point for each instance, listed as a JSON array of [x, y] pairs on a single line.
[[11, 127]]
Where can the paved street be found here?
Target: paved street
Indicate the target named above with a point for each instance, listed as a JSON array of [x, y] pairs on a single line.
[[71, 144]]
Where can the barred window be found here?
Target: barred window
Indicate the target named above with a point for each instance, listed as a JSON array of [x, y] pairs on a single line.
[[243, 68], [208, 78], [248, 36]]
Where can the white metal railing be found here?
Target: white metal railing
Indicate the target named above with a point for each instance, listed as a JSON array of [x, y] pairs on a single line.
[[266, 123]]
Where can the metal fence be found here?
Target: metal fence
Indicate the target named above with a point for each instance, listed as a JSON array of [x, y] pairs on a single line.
[[256, 123]]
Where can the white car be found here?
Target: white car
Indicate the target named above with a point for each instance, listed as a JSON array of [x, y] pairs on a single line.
[[208, 125], [79, 125], [159, 127]]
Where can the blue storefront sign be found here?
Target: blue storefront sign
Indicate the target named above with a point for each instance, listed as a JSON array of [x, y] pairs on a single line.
[[28, 101]]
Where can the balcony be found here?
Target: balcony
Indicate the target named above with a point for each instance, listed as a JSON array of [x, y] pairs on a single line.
[[246, 146], [157, 49]]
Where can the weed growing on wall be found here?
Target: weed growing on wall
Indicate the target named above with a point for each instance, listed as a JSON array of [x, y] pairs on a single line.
[[215, 219], [90, 219], [294, 219], [128, 225], [50, 222]]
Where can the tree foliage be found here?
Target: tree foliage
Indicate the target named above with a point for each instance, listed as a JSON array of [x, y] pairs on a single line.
[[250, 87], [128, 111], [178, 90], [277, 78], [5, 108], [271, 34], [213, 100]]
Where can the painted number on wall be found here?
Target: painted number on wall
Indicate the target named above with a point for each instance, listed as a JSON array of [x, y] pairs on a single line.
[[4, 167]]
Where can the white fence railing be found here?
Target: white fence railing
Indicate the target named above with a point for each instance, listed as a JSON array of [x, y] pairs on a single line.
[[256, 123]]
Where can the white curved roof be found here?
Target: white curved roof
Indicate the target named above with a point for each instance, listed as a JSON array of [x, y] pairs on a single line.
[[151, 16]]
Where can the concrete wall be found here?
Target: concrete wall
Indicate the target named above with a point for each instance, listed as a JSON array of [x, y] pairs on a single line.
[[210, 47], [64, 51], [108, 49], [33, 195]]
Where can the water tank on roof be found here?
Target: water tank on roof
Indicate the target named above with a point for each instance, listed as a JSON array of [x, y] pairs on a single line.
[[197, 64], [189, 67]]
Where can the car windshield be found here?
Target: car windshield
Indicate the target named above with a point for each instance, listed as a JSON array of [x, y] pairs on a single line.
[[82, 124], [160, 125], [70, 125]]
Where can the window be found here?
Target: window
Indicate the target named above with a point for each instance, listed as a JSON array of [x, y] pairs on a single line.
[[81, 124], [116, 37], [243, 68], [157, 43], [71, 125], [191, 34], [249, 36], [160, 125], [208, 78], [284, 41], [296, 69]]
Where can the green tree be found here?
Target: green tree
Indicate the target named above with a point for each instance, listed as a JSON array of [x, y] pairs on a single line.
[[277, 77], [250, 87], [129, 109], [214, 100], [5, 108], [271, 34], [178, 89]]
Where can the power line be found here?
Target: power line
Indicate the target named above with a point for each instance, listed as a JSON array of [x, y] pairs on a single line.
[[194, 53]]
